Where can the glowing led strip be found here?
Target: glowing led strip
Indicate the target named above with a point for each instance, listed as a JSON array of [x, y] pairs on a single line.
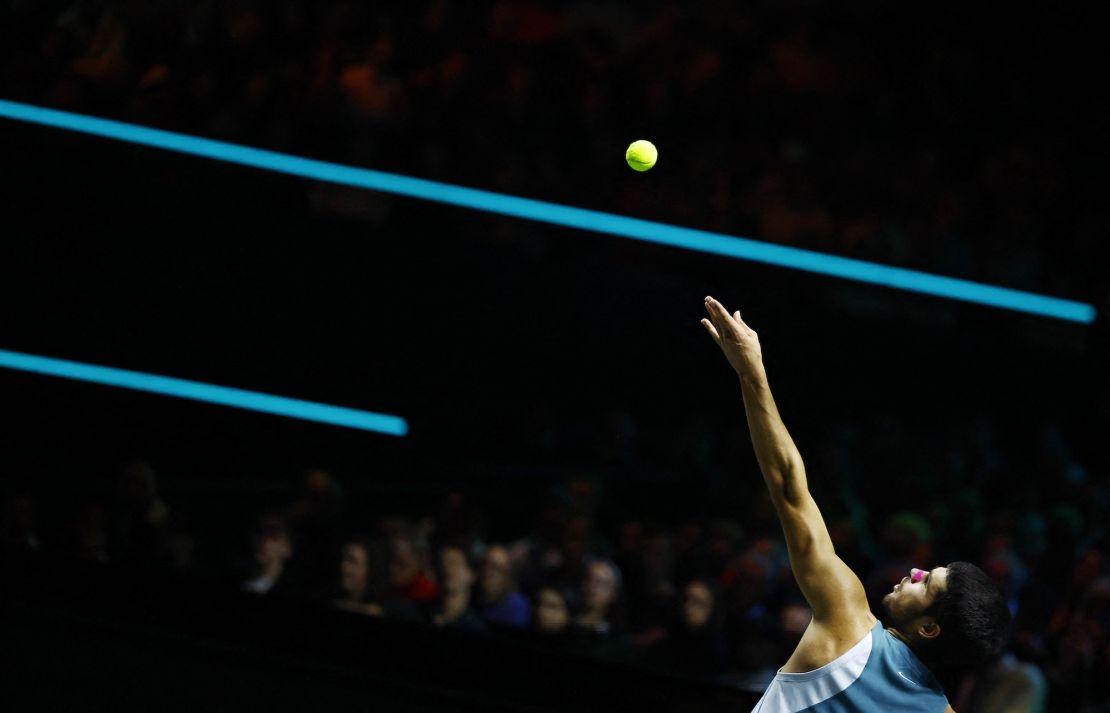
[[210, 393], [648, 231]]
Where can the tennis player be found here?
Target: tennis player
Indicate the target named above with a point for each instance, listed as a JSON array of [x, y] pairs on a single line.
[[847, 660]]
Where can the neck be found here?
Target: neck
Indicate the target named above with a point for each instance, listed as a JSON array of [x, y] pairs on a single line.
[[495, 596], [272, 569], [899, 635], [593, 618], [455, 603]]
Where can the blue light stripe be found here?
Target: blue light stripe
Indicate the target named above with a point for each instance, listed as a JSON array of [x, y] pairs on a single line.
[[210, 393], [542, 211]]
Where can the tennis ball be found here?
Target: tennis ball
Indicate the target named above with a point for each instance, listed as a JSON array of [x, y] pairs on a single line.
[[641, 155]]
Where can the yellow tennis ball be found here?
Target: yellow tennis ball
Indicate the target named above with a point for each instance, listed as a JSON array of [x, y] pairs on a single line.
[[641, 155]]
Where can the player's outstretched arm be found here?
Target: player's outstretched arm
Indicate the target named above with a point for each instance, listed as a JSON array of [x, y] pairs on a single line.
[[833, 591]]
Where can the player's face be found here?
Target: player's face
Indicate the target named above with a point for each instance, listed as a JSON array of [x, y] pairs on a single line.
[[915, 593]]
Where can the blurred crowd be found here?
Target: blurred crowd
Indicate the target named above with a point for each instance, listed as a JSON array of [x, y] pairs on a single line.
[[586, 564], [868, 132]]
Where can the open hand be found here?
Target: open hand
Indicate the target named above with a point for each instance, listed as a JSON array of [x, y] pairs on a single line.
[[737, 340]]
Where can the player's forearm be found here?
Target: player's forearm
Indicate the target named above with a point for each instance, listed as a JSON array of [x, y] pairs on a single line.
[[779, 459]]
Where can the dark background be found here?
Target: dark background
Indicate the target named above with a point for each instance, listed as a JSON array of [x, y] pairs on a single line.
[[523, 354]]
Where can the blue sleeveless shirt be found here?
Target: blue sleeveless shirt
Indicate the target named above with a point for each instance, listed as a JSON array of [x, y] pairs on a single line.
[[880, 673]]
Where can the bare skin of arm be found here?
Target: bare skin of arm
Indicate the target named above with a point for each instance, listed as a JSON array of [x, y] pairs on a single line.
[[841, 616]]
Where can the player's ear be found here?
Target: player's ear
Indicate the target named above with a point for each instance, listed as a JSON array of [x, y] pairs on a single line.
[[928, 628]]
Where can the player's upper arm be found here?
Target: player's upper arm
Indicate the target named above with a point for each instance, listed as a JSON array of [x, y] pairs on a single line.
[[833, 591]]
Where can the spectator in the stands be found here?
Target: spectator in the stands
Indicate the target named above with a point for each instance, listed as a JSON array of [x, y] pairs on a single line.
[[556, 607], [456, 576], [272, 548], [601, 591], [361, 577], [651, 592], [696, 646], [407, 559], [576, 539], [752, 630], [500, 601], [1081, 665]]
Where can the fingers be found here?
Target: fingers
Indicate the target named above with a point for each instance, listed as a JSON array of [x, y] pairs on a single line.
[[720, 316], [712, 330], [717, 312], [725, 322]]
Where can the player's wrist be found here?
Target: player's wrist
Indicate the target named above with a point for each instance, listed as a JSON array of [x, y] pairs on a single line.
[[753, 375]]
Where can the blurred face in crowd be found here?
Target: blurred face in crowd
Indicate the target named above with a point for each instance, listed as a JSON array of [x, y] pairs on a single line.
[[551, 611], [599, 590], [272, 545], [354, 569], [497, 578], [456, 575], [750, 583], [697, 606], [137, 482], [795, 618], [905, 604], [404, 562]]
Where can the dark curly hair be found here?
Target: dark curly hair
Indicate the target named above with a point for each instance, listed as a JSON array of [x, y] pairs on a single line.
[[973, 617]]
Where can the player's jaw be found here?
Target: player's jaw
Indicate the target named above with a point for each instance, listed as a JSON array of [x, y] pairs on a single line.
[[900, 599]]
